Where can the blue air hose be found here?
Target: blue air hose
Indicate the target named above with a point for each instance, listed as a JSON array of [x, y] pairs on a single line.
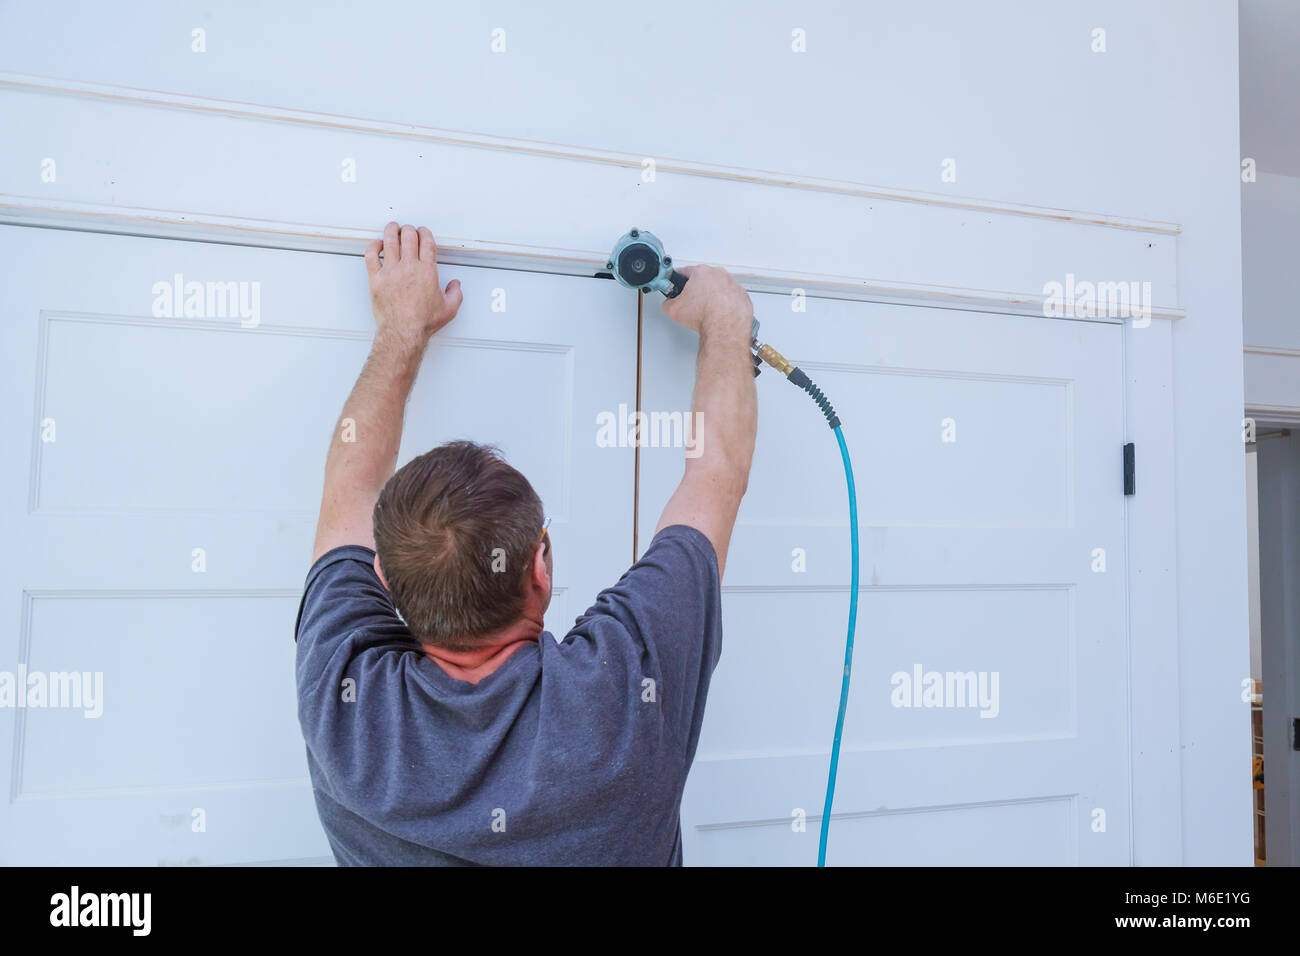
[[848, 648], [797, 376]]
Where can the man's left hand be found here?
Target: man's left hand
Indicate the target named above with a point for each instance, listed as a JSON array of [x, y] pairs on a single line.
[[404, 290]]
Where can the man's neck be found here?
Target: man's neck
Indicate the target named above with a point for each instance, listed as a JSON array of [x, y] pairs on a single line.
[[474, 665]]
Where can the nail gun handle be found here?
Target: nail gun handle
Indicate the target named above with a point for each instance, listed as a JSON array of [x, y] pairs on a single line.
[[679, 283]]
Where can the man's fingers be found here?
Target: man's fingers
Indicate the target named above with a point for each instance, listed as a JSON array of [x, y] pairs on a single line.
[[669, 306], [372, 256], [392, 244], [410, 244], [453, 296], [428, 248]]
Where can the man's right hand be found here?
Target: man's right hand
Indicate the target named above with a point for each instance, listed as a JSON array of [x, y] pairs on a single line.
[[712, 302]]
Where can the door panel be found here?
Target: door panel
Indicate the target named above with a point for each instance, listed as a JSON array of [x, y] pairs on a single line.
[[173, 433], [987, 452]]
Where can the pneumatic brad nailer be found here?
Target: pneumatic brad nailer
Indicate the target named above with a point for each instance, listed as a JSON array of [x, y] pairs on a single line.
[[639, 262]]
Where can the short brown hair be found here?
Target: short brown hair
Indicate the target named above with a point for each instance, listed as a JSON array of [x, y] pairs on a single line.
[[439, 523]]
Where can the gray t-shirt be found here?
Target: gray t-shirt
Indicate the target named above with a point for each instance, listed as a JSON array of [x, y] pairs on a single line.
[[572, 752]]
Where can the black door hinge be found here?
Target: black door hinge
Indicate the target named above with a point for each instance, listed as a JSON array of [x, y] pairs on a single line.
[[1129, 480]]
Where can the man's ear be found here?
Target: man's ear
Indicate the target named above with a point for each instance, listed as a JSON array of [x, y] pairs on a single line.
[[380, 571], [541, 576]]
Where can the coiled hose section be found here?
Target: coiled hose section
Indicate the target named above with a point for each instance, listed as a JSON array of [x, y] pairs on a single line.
[[800, 378]]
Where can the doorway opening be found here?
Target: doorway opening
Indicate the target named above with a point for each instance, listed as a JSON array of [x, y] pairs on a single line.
[[1273, 547]]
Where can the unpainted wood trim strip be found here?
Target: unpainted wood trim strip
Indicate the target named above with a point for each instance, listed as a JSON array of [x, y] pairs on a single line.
[[1271, 350], [1290, 414], [456, 250]]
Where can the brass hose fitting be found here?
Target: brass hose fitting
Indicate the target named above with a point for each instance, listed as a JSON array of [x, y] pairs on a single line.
[[775, 359]]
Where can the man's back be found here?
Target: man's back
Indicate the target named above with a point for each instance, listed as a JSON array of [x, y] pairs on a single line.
[[572, 752]]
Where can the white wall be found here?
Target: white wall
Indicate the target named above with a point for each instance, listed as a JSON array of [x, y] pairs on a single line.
[[1270, 242], [1011, 91], [1270, 245]]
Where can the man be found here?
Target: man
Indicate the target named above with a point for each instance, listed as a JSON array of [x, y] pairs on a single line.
[[461, 732]]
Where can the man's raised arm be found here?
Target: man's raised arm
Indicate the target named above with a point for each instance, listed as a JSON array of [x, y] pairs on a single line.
[[409, 307], [725, 406]]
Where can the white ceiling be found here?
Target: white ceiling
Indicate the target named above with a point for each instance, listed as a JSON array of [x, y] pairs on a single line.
[[1270, 84]]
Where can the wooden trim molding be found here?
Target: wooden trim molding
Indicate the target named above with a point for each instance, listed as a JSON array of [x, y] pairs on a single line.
[[352, 240], [1282, 414]]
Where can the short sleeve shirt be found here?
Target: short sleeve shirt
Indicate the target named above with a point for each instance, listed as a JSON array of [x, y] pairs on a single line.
[[572, 752]]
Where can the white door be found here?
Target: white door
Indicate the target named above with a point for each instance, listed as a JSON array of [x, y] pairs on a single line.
[[162, 536], [988, 458]]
